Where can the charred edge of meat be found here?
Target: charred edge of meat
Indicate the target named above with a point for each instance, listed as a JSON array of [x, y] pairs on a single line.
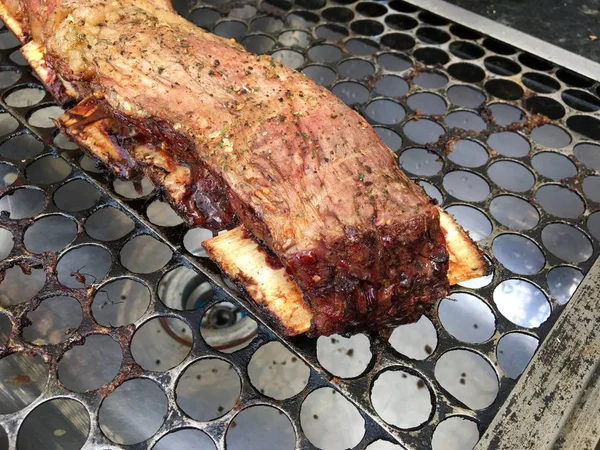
[[12, 14]]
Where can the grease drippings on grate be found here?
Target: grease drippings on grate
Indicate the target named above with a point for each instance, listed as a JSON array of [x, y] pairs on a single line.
[[504, 140]]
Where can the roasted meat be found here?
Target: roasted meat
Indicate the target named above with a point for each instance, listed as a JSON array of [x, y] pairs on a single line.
[[234, 138]]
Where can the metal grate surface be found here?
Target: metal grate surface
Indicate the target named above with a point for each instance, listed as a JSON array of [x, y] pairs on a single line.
[[115, 330]]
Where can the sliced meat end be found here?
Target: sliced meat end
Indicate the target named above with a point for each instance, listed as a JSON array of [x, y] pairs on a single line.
[[12, 14], [267, 284]]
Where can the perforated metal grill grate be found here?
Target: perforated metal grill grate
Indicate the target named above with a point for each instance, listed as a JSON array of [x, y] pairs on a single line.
[[116, 330]]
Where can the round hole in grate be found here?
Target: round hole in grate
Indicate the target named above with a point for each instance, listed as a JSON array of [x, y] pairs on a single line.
[[554, 166], [591, 188], [468, 377], [60, 422], [501, 66], [467, 318], [303, 19], [50, 234], [385, 111], [504, 89], [366, 27], [331, 32], [466, 96], [466, 186], [8, 174], [247, 11], [276, 372], [260, 427], [393, 62], [514, 352], [560, 201], [402, 399], [24, 97], [587, 126], [432, 191], [465, 120], [391, 86], [351, 92], [504, 114], [423, 131], [330, 422], [384, 445], [431, 56], [401, 6], [390, 138], [296, 38], [89, 366], [415, 340], [184, 289], [9, 77], [230, 29], [17, 58], [562, 282], [43, 117], [322, 75], [472, 220], [432, 19], [420, 161], [567, 242], [398, 41], [593, 224], [498, 47], [356, 68], [510, 144], [3, 438], [47, 170], [290, 58], [261, 44], [430, 35], [158, 344], [53, 321], [551, 136], [145, 254], [337, 14], [227, 328], [521, 302], [533, 62], [518, 254], [76, 195], [344, 357], [588, 154], [371, 9], [468, 153], [17, 286], [430, 80], [6, 243], [400, 22], [466, 72], [108, 224], [193, 239], [574, 79], [5, 329], [455, 433], [162, 214], [133, 189], [514, 212], [511, 176], [23, 379], [187, 438], [581, 100], [466, 50], [267, 5], [464, 32], [311, 4], [119, 417], [83, 266], [90, 165], [204, 17], [120, 302], [22, 203], [477, 283], [545, 106], [208, 388], [266, 24], [426, 103]]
